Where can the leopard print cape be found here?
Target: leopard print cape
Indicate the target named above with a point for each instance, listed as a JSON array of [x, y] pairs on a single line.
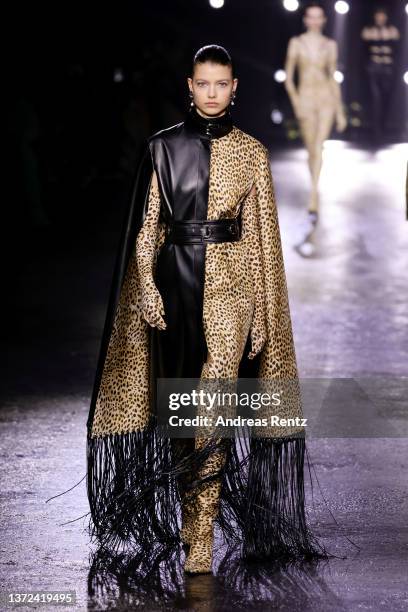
[[241, 279]]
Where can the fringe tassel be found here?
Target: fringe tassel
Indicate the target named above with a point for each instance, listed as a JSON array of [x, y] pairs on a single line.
[[133, 490], [136, 480], [262, 504]]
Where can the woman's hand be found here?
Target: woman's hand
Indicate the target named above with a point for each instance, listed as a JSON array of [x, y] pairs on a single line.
[[152, 308], [341, 121]]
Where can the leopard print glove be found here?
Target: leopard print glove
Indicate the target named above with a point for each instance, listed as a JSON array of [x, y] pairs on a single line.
[[152, 307]]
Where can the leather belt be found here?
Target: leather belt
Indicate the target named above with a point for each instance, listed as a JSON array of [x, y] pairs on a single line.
[[199, 232]]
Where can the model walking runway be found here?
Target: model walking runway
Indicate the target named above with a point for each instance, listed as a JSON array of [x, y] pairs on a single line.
[[199, 290]]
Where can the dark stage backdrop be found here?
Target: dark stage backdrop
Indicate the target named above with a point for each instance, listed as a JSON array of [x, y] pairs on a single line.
[[87, 82]]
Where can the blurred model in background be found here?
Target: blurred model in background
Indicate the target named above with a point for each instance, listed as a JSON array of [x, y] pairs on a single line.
[[316, 100], [381, 39]]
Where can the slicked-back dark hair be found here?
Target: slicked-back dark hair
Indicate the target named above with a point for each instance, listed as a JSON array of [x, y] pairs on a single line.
[[215, 54]]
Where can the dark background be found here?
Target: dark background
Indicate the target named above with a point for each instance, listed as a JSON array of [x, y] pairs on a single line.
[[74, 131]]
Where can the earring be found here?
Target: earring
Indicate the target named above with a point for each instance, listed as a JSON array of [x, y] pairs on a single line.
[[233, 98], [191, 98]]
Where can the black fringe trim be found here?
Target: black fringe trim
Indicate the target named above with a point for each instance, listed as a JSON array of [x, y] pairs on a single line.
[[262, 504], [135, 483]]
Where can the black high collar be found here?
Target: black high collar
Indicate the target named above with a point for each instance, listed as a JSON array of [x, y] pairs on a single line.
[[213, 127]]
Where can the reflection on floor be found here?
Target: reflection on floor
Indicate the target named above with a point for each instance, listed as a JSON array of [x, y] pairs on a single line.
[[348, 291]]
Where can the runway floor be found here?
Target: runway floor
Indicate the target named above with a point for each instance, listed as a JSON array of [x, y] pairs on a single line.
[[348, 291]]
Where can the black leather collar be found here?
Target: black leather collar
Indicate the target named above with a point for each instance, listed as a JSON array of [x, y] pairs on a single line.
[[214, 127]]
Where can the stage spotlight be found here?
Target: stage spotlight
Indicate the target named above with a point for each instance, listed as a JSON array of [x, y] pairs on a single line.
[[276, 116], [342, 7], [338, 76], [406, 77], [216, 3], [406, 8], [291, 5], [118, 75], [280, 76]]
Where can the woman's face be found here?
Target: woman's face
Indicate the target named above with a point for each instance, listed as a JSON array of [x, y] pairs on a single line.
[[212, 86], [380, 19], [314, 19]]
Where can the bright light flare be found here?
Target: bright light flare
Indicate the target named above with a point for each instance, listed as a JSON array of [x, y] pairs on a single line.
[[280, 76], [276, 116], [338, 76], [342, 7], [291, 5]]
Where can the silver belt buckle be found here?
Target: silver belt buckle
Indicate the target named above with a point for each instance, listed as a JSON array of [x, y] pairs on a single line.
[[208, 231], [233, 228]]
